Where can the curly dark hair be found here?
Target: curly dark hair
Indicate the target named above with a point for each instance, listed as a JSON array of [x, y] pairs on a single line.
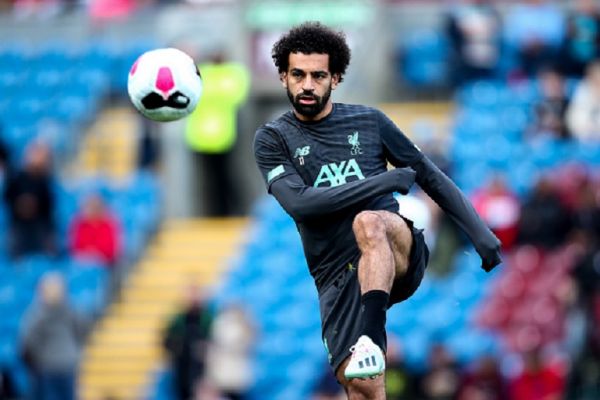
[[309, 38]]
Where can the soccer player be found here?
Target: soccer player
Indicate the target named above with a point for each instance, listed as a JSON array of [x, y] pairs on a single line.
[[326, 164]]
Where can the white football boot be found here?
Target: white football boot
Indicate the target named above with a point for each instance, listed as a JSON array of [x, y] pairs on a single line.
[[367, 360]]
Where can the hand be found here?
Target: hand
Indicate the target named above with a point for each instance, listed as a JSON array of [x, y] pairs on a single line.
[[406, 178], [490, 255]]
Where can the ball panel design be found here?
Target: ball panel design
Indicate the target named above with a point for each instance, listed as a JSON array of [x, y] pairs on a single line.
[[164, 84]]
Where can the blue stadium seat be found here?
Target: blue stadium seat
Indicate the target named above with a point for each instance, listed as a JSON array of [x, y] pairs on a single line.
[[88, 284], [424, 59], [469, 344]]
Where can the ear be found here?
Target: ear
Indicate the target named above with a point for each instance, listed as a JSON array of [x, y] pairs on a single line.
[[335, 80], [283, 79]]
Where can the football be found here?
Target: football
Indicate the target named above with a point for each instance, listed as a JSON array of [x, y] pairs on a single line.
[[164, 84]]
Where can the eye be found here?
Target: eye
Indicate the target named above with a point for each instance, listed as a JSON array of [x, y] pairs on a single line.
[[296, 74]]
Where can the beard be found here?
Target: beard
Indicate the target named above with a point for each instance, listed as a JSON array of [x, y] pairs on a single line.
[[309, 110]]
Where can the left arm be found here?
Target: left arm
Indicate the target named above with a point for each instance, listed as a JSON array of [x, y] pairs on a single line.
[[454, 203], [402, 152]]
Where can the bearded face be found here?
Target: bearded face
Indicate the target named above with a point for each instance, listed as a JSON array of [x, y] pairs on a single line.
[[308, 85]]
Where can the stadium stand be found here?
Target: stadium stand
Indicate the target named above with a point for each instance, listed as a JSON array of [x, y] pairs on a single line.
[[53, 92]]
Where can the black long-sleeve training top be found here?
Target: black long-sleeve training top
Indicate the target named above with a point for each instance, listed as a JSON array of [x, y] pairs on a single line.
[[324, 173]]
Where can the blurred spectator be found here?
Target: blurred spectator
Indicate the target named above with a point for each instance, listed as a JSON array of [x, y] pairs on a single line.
[[418, 207], [211, 132], [104, 11], [95, 232], [584, 379], [538, 380], [582, 42], [474, 28], [534, 29], [8, 390], [204, 389], [550, 109], [400, 382], [229, 356], [587, 276], [483, 382], [570, 180], [544, 220], [441, 380], [449, 240], [584, 375], [30, 200], [499, 208], [586, 213], [4, 157], [443, 236], [583, 113], [327, 386], [148, 144], [39, 9], [52, 340], [186, 340]]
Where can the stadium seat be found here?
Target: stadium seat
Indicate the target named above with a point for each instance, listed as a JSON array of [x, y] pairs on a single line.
[[423, 60]]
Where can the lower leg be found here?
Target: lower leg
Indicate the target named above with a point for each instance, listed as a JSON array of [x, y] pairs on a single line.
[[376, 272]]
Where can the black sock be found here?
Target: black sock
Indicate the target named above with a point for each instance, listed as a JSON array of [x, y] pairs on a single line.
[[374, 309]]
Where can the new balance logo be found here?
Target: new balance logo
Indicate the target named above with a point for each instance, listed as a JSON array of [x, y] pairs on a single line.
[[301, 152]]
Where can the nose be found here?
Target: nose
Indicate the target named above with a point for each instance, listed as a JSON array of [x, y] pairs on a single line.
[[308, 84]]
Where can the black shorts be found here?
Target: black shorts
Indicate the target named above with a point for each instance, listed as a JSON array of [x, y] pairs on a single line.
[[340, 303]]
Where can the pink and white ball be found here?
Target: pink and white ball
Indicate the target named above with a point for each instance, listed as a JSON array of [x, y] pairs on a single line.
[[164, 84]]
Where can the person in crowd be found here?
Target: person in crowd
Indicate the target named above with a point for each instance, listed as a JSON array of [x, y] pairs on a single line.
[[544, 220], [229, 357], [474, 29], [95, 232], [538, 381], [211, 133], [52, 339], [440, 381], [204, 389], [535, 30], [499, 207], [442, 235], [30, 201], [582, 41], [186, 339], [8, 388], [549, 111], [4, 157], [586, 210], [38, 9], [148, 152], [327, 387], [483, 381], [584, 375], [400, 382], [583, 113]]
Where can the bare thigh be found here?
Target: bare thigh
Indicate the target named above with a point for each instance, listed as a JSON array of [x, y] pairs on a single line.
[[400, 238]]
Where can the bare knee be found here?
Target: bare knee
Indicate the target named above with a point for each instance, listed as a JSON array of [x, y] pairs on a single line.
[[369, 228]]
